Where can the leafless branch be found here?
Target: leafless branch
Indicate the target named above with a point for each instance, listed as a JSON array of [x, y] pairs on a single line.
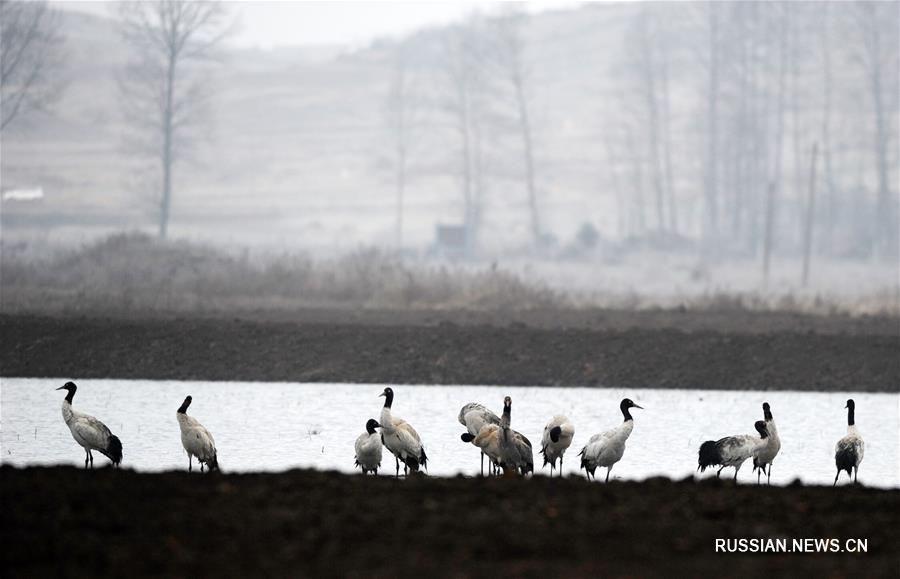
[[30, 59], [164, 92]]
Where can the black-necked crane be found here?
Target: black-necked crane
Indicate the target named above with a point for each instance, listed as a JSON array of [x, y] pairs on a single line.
[[399, 437], [558, 435], [196, 439], [89, 432], [731, 450], [368, 448], [607, 448], [766, 455], [475, 417], [488, 440], [848, 452], [514, 449], [526, 453]]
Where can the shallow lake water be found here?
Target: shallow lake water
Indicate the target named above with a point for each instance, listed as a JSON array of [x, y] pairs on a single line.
[[277, 426]]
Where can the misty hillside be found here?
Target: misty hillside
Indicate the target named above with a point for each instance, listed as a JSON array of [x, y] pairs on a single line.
[[292, 143], [296, 149]]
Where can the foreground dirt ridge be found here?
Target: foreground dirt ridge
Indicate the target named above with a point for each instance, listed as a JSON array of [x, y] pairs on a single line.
[[670, 350], [308, 523]]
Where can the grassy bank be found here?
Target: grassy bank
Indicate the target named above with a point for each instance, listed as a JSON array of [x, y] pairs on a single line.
[[133, 274], [136, 273]]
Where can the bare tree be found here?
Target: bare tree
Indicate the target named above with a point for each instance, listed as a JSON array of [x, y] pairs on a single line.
[[827, 90], [808, 221], [163, 91], [740, 136], [460, 64], [30, 57], [711, 162], [666, 137], [513, 68], [650, 74], [878, 54], [401, 110], [771, 205]]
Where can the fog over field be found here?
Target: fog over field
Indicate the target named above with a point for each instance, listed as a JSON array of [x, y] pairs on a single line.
[[613, 154]]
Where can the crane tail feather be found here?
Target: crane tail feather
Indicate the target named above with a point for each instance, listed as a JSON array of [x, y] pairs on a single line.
[[708, 455], [113, 450]]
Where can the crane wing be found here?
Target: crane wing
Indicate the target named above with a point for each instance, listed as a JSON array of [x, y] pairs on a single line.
[[474, 417], [733, 448], [91, 431]]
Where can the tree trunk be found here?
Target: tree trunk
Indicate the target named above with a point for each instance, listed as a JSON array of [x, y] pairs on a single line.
[[887, 215], [638, 219], [612, 165], [401, 188], [740, 153], [467, 173], [712, 210], [525, 124], [167, 157], [759, 154], [830, 209], [653, 143], [810, 216], [772, 196], [796, 117], [667, 147], [400, 105]]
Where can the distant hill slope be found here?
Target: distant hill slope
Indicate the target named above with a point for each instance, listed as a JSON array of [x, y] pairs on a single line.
[[292, 153]]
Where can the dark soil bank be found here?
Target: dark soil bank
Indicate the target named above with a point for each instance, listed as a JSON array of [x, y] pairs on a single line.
[[303, 523], [597, 348]]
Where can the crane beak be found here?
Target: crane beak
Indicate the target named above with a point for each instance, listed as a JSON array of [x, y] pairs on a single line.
[[60, 388], [380, 395], [377, 425], [636, 406]]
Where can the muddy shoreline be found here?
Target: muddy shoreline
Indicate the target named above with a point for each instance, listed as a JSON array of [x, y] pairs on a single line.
[[594, 348], [305, 523]]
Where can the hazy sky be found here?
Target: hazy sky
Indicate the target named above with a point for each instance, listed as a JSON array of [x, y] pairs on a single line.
[[271, 23]]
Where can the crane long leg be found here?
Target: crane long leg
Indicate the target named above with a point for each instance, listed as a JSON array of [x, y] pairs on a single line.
[[482, 464], [201, 465], [769, 475], [609, 468], [759, 474], [397, 464], [190, 463], [718, 472], [855, 472], [85, 458], [91, 456], [560, 466], [836, 477]]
